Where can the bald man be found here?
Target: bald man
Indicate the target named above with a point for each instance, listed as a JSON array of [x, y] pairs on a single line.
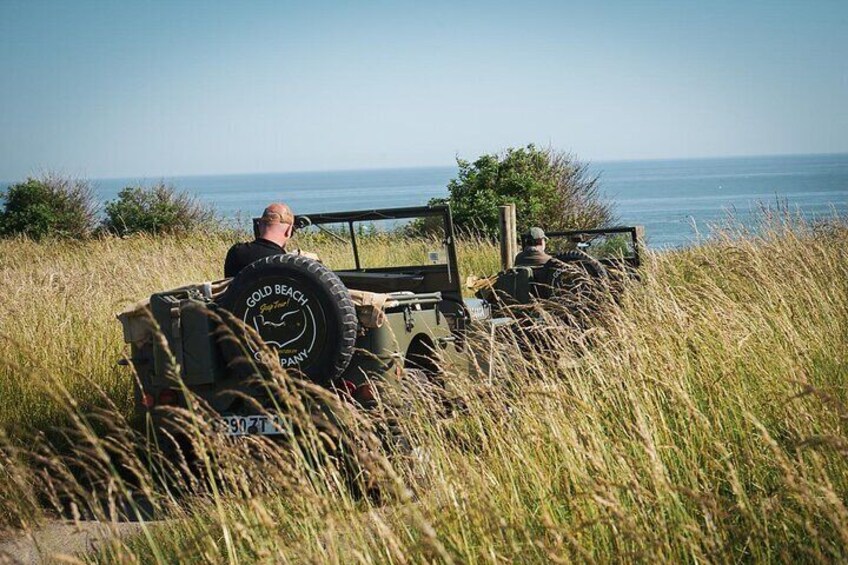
[[275, 229]]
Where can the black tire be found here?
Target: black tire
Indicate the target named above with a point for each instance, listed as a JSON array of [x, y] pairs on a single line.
[[299, 307], [572, 273], [592, 266]]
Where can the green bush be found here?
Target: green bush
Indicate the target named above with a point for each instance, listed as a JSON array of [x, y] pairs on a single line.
[[49, 206], [157, 209], [549, 188]]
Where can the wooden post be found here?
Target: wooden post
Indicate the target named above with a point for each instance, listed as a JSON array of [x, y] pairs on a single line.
[[508, 237], [640, 236], [640, 244], [513, 237]]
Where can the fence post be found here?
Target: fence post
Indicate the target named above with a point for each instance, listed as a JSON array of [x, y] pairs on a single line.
[[508, 236]]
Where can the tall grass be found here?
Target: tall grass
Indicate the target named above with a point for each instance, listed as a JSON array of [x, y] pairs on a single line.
[[704, 421]]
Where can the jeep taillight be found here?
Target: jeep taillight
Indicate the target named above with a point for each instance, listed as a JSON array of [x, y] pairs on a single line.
[[168, 397]]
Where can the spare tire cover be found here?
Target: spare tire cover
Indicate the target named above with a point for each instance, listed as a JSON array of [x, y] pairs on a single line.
[[301, 309]]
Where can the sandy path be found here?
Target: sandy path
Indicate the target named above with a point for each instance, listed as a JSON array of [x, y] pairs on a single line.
[[60, 538]]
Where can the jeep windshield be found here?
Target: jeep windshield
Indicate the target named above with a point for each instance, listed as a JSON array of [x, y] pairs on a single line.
[[608, 245], [388, 250]]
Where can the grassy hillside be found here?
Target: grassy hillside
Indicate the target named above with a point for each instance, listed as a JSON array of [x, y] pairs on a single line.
[[704, 421]]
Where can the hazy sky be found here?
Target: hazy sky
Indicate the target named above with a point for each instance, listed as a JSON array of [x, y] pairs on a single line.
[[165, 88]]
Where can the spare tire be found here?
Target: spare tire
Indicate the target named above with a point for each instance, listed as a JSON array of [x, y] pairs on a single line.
[[301, 309], [592, 266], [573, 273]]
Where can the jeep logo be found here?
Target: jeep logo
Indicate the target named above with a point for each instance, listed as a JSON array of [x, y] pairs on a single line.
[[279, 290], [284, 317]]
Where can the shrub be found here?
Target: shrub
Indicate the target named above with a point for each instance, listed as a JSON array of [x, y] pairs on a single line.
[[157, 209], [549, 188], [49, 205]]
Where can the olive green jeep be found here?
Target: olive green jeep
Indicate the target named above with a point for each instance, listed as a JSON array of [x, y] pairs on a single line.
[[343, 328], [586, 267]]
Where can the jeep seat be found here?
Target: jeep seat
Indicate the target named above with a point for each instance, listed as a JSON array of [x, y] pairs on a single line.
[[514, 284]]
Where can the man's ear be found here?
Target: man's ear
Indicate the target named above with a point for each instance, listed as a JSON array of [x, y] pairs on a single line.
[[289, 230]]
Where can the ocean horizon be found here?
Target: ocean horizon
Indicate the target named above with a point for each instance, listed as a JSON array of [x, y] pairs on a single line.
[[677, 200]]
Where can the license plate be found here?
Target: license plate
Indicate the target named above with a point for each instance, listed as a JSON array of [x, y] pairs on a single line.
[[252, 425]]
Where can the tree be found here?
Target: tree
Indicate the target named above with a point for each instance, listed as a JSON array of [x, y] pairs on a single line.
[[550, 189], [49, 206], [158, 209]]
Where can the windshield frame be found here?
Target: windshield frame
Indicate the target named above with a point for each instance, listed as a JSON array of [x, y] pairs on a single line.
[[405, 213], [636, 236]]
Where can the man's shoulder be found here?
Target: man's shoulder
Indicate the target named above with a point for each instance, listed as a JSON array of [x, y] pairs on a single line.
[[248, 245], [256, 248], [242, 254], [532, 253], [238, 248], [531, 258], [240, 245]]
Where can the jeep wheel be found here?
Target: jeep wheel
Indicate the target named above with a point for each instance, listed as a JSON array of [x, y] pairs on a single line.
[[301, 309]]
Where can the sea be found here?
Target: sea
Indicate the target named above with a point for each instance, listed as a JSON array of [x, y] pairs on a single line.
[[679, 201]]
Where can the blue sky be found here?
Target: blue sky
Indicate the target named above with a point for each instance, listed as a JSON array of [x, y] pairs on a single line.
[[165, 88]]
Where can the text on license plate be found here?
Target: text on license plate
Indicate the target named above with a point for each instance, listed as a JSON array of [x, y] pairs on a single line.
[[252, 425]]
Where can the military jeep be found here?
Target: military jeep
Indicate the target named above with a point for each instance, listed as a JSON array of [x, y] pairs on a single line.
[[342, 328], [585, 264]]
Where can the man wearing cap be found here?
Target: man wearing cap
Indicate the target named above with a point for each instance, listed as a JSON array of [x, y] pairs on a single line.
[[275, 229], [533, 254]]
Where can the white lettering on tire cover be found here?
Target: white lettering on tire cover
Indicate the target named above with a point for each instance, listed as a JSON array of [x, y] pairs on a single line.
[[283, 316]]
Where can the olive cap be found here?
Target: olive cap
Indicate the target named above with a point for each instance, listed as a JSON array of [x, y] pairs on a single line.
[[533, 234], [537, 233]]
